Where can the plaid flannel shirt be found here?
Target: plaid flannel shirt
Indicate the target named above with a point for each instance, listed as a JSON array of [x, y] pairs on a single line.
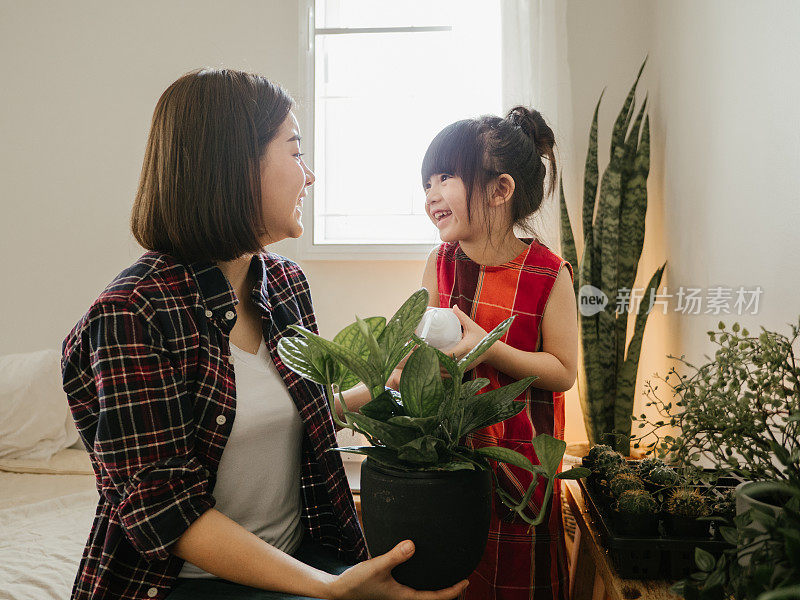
[[150, 384]]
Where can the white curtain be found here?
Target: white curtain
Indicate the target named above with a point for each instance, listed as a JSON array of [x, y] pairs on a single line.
[[536, 74]]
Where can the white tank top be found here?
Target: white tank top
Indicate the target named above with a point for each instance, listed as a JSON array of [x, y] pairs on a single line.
[[258, 480]]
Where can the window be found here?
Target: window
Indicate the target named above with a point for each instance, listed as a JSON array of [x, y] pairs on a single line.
[[387, 77]]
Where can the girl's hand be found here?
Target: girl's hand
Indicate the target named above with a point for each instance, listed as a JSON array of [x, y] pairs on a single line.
[[473, 333], [372, 580]]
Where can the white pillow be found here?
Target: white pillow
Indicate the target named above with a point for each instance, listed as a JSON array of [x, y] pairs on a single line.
[[35, 421]]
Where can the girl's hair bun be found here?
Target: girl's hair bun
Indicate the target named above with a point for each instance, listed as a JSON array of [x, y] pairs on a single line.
[[534, 126]]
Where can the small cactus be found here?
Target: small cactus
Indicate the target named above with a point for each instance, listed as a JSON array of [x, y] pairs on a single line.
[[608, 462], [663, 476], [622, 482], [648, 464], [686, 502], [597, 450], [636, 502]]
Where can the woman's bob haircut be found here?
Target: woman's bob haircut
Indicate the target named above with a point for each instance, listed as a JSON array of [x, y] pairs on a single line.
[[199, 195]]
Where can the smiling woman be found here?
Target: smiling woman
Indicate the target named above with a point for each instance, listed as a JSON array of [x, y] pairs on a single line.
[[210, 455]]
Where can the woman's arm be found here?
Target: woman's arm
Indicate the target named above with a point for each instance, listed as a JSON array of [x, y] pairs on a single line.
[[556, 366], [223, 548]]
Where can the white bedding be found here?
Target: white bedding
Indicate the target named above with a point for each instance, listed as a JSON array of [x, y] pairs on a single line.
[[45, 518]]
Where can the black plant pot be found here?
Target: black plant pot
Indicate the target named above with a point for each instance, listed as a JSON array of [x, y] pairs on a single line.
[[445, 513], [640, 526], [686, 527]]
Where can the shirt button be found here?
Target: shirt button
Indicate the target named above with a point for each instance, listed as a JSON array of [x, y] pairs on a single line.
[[209, 314], [151, 593], [221, 420], [229, 315]]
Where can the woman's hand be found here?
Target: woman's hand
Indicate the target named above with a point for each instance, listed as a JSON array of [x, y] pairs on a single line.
[[372, 580], [473, 333]]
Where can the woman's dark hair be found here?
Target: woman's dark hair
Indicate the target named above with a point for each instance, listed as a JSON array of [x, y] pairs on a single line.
[[479, 150], [199, 195]]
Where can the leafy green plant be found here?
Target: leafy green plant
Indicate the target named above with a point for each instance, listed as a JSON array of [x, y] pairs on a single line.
[[613, 235], [421, 427], [739, 413]]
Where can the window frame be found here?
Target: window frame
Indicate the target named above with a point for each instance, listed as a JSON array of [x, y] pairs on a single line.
[[307, 249]]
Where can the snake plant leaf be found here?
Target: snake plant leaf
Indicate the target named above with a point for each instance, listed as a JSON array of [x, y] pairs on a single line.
[[549, 451], [624, 118], [350, 337], [626, 380], [567, 240], [590, 179], [350, 359], [574, 473], [383, 407], [421, 383], [507, 455], [394, 339], [420, 450], [482, 346], [306, 359], [393, 436]]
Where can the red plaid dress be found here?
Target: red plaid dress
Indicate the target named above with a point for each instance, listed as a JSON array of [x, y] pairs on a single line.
[[517, 564]]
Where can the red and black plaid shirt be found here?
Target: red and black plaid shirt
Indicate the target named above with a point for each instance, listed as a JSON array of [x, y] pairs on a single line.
[[150, 384]]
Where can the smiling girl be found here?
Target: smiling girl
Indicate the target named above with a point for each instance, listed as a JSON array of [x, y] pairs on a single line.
[[482, 177], [210, 455]]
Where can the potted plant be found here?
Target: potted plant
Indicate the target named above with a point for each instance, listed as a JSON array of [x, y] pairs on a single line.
[[613, 235], [419, 480], [684, 508], [739, 414], [636, 514]]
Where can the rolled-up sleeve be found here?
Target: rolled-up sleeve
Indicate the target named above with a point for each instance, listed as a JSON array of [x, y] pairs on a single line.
[[145, 433]]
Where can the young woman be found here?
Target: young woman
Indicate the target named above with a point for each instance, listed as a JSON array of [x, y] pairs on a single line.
[[482, 177], [210, 455]]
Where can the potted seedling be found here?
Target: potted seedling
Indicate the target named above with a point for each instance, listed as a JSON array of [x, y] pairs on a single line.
[[636, 514], [685, 508], [420, 481]]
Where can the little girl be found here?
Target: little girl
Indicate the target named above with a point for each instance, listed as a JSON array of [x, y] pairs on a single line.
[[481, 178]]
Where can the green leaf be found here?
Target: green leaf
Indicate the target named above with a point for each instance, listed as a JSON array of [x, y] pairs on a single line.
[[424, 425], [787, 593], [421, 383], [393, 436], [590, 180], [549, 451], [568, 250], [482, 346], [306, 359], [506, 455], [350, 359], [420, 450], [494, 406], [574, 473], [704, 559], [383, 407], [396, 336], [381, 455], [350, 337], [473, 386]]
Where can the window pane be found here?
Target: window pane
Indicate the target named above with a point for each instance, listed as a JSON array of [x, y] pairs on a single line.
[[385, 13], [380, 98]]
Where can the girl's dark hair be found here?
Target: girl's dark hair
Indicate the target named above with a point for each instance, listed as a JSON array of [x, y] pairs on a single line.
[[479, 150], [199, 195]]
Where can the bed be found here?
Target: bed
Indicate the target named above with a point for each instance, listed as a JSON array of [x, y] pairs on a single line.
[[46, 511]]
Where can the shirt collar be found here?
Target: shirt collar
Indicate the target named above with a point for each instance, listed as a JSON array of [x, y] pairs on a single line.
[[217, 293]]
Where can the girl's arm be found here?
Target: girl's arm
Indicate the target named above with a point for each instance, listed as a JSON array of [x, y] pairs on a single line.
[[429, 278], [556, 366], [222, 547]]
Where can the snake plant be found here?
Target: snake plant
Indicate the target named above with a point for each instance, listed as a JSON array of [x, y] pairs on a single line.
[[421, 427], [613, 235]]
